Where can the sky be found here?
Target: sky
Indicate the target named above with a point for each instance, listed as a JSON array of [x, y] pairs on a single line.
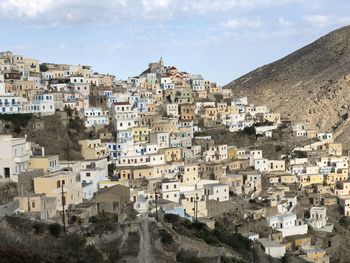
[[220, 39]]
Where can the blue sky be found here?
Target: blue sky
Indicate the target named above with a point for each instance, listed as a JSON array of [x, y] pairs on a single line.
[[220, 39]]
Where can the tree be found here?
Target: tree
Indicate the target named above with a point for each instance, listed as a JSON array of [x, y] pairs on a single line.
[[55, 229], [249, 130], [165, 237]]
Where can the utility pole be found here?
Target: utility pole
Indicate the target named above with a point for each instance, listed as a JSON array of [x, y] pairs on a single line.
[[67, 152], [63, 214], [196, 207], [21, 190], [156, 199]]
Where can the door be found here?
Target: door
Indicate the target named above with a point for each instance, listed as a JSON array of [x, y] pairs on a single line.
[[7, 172]]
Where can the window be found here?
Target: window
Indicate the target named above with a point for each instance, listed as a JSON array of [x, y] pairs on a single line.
[[115, 206], [33, 204]]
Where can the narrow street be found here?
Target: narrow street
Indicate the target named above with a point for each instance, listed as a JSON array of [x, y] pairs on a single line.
[[145, 242]]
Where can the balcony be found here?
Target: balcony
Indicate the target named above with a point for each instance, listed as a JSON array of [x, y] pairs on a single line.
[[21, 159]]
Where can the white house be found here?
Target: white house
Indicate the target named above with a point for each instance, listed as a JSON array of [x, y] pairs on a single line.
[[10, 104], [125, 116], [216, 191], [172, 110], [262, 165], [94, 117], [318, 217], [14, 156], [91, 174], [162, 139], [272, 248], [43, 104], [287, 224], [169, 190]]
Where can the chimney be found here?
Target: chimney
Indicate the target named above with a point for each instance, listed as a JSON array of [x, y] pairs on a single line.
[[42, 151]]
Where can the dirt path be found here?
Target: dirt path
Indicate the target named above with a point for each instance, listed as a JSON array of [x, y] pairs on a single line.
[[145, 242]]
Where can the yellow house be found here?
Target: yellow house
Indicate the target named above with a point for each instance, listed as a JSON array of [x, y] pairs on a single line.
[[211, 113], [143, 172], [288, 179], [157, 98], [202, 94], [173, 154], [222, 107], [231, 152], [334, 149], [93, 149], [52, 185], [190, 174], [166, 125], [235, 182], [214, 89], [124, 172], [309, 179], [311, 133], [273, 117], [186, 111], [135, 172], [232, 109], [238, 164], [149, 118], [313, 254], [38, 204], [141, 134], [193, 204], [333, 178], [215, 170], [300, 241], [152, 107], [49, 163]]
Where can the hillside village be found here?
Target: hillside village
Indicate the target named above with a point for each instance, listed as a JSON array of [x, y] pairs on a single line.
[[150, 153]]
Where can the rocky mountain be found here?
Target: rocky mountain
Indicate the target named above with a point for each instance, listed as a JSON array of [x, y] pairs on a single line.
[[312, 84]]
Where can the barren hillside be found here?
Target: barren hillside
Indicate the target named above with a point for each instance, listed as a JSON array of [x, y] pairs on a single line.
[[311, 84]]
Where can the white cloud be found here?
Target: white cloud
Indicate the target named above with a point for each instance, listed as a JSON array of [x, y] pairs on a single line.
[[242, 23], [26, 8], [155, 4], [284, 23], [61, 12], [317, 20]]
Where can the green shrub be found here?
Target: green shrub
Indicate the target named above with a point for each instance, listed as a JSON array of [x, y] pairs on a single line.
[[235, 241], [249, 130], [17, 129], [171, 218], [39, 228], [165, 237], [55, 229], [184, 256]]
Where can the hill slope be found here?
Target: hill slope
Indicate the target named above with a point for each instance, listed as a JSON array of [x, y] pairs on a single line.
[[311, 84]]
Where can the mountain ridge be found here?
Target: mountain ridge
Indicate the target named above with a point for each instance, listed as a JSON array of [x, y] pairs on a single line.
[[311, 84]]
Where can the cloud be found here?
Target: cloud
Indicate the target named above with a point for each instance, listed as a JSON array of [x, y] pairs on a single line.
[[242, 23], [155, 4], [67, 12], [284, 23], [317, 20]]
